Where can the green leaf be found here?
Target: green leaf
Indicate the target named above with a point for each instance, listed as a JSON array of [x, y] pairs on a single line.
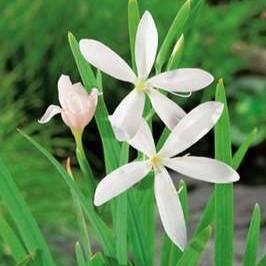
[[110, 144], [100, 228], [253, 235], [10, 239], [223, 192], [173, 33], [184, 198], [165, 251], [79, 255], [21, 215], [97, 260], [195, 249], [28, 259], [177, 54], [262, 261], [207, 215], [133, 22], [242, 150], [121, 216], [137, 234], [84, 68]]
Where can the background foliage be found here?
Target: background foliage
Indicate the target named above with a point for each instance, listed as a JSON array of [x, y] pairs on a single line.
[[227, 39]]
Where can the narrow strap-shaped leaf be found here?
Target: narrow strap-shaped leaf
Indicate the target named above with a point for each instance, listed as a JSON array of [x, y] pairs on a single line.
[[223, 192], [121, 216], [97, 260], [165, 251], [20, 213], [84, 68], [79, 255], [101, 230], [172, 35], [10, 239], [253, 236], [33, 257], [242, 150], [133, 21], [195, 249], [110, 145], [207, 215], [83, 230], [137, 233], [177, 54], [262, 262]]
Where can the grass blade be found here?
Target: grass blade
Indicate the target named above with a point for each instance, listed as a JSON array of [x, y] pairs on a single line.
[[100, 229], [121, 216], [133, 21], [97, 260], [223, 192], [20, 213], [172, 35], [252, 238], [195, 249], [79, 255], [242, 150], [84, 68], [10, 239]]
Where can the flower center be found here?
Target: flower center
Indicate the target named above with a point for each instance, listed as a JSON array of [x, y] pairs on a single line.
[[156, 161], [140, 86]]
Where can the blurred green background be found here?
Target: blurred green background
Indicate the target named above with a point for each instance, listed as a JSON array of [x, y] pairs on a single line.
[[226, 38]]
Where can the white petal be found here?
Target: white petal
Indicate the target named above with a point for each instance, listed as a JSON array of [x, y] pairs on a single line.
[[182, 80], [103, 58], [143, 140], [170, 208], [51, 111], [191, 128], [64, 85], [146, 45], [120, 180], [202, 168], [127, 116], [167, 110]]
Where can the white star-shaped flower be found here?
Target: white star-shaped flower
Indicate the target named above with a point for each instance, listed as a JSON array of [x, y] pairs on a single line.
[[127, 116], [188, 131]]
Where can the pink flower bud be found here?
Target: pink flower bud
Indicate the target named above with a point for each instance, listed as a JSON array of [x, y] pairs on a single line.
[[77, 106]]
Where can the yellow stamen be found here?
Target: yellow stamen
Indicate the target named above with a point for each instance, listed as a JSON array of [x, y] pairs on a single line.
[[140, 86], [156, 161]]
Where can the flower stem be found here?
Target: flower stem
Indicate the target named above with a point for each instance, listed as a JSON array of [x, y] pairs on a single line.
[[82, 160]]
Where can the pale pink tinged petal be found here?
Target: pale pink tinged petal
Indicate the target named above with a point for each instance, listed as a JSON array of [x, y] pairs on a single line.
[[146, 45], [106, 60], [51, 111], [120, 180], [170, 209], [64, 85], [143, 140], [170, 112], [204, 169], [182, 80], [191, 128], [127, 116], [76, 99]]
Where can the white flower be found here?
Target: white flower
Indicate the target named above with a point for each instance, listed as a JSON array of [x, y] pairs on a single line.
[[127, 116], [77, 106], [188, 131]]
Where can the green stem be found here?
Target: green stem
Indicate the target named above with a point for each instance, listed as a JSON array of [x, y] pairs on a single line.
[[82, 160]]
